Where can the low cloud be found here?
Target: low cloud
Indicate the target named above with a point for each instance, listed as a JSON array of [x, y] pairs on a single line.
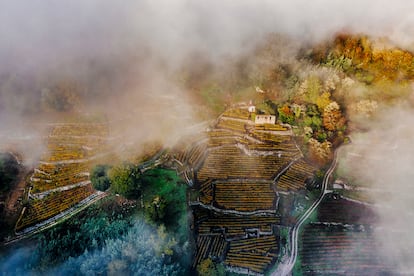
[[381, 160], [115, 51]]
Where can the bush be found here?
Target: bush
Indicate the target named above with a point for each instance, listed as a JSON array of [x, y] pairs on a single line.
[[208, 268], [126, 180], [286, 115], [99, 177]]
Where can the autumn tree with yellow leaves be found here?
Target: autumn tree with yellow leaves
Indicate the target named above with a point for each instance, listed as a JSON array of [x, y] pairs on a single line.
[[332, 117], [368, 59]]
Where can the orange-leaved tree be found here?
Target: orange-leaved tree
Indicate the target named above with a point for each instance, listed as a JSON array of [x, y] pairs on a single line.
[[332, 117]]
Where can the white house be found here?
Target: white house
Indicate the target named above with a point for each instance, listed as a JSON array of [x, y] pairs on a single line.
[[265, 119]]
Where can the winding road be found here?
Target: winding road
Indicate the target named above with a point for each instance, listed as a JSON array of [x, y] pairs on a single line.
[[286, 268]]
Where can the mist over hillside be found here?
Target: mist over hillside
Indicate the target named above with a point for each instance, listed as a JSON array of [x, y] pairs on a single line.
[[112, 52], [379, 160], [140, 63]]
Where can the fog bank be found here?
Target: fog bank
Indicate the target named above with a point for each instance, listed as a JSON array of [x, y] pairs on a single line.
[[381, 159]]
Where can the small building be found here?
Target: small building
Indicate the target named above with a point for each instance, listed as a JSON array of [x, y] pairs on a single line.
[[251, 107], [265, 119]]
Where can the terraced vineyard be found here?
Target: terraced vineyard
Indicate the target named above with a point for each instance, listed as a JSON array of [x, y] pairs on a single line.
[[213, 246], [232, 124], [342, 241], [255, 254], [55, 203], [237, 113], [232, 226], [340, 210], [236, 168], [230, 162], [61, 179], [336, 250], [51, 175], [295, 178], [244, 195], [247, 243]]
